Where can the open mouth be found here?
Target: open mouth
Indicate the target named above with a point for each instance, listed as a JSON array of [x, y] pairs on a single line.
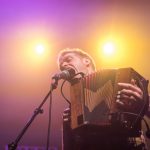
[[70, 67]]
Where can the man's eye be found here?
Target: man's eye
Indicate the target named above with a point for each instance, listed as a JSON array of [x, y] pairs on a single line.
[[69, 59]]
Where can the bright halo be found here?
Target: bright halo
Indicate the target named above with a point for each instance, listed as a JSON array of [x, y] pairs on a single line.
[[108, 48], [39, 49]]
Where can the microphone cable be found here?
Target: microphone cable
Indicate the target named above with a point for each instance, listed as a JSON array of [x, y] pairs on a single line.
[[62, 85]]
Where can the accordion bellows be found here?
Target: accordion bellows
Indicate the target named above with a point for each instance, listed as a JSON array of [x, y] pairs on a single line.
[[94, 99]]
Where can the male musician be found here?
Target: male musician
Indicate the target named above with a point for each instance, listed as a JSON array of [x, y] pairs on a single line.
[[80, 61]]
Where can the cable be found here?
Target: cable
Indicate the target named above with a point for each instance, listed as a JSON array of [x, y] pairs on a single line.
[[146, 124], [62, 93]]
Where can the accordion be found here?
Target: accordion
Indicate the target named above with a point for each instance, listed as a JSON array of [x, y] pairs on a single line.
[[94, 102]]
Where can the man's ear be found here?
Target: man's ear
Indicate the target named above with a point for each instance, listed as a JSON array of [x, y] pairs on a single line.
[[86, 61]]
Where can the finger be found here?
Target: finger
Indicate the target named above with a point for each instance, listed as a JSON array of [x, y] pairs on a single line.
[[133, 82], [118, 101], [126, 98], [123, 96], [67, 110], [130, 93], [126, 101], [66, 114], [66, 119], [130, 87]]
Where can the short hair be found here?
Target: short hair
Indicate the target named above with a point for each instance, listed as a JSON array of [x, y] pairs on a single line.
[[78, 52]]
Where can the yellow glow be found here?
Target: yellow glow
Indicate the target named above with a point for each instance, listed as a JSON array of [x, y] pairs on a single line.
[[109, 48], [38, 54], [128, 44], [39, 49]]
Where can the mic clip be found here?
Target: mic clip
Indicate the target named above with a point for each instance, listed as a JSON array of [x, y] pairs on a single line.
[[54, 83]]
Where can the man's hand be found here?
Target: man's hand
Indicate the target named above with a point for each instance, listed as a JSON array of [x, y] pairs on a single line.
[[129, 95]]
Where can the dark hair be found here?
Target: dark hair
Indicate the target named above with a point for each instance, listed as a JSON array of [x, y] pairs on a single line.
[[77, 51]]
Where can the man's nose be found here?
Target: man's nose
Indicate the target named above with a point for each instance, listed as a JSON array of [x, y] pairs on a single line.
[[64, 65]]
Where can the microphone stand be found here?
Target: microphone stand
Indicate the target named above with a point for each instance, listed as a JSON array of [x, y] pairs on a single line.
[[38, 110]]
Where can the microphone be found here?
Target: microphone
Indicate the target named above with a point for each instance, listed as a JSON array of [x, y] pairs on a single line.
[[65, 74]]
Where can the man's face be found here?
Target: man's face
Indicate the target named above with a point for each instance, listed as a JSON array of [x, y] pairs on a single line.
[[72, 60]]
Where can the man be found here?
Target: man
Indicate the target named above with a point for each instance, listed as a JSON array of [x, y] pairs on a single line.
[[80, 61]]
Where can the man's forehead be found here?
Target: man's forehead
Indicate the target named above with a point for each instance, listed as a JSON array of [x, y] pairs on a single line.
[[64, 56]]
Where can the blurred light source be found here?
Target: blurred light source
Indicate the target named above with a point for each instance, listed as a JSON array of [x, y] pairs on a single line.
[[39, 49], [109, 48], [111, 51]]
